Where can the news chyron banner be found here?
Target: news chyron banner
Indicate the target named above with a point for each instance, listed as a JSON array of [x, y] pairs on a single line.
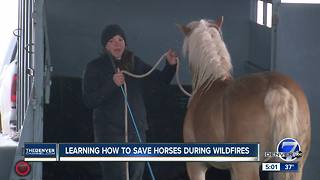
[[141, 152]]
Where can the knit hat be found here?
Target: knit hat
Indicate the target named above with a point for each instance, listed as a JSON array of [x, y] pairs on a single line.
[[110, 31]]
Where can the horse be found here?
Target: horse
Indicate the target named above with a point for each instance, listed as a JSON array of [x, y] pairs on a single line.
[[263, 107]]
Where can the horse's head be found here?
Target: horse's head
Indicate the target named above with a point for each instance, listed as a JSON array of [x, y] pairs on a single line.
[[187, 29], [209, 27], [205, 49]]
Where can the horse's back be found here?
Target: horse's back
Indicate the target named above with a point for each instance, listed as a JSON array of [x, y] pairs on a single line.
[[266, 107], [251, 92], [261, 82]]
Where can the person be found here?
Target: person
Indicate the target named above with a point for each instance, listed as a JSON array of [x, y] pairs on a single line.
[[101, 92]]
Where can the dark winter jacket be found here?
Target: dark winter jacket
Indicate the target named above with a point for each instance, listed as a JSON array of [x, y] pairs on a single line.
[[106, 99]]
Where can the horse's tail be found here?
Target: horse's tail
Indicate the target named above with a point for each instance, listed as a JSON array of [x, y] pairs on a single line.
[[282, 107]]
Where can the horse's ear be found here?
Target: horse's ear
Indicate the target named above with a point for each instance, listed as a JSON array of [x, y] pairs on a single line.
[[184, 29], [219, 21]]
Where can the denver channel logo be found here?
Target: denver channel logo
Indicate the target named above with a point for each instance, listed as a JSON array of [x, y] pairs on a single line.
[[288, 149]]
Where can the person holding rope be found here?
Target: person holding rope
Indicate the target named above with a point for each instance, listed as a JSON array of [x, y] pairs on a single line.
[[102, 80]]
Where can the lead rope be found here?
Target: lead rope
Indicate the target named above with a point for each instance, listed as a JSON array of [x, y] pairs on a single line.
[[127, 106], [124, 92], [154, 67]]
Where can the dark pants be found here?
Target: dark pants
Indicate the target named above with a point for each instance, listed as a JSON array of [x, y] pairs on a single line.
[[117, 170]]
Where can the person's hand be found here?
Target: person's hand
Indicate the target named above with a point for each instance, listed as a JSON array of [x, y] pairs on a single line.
[[171, 57], [118, 78]]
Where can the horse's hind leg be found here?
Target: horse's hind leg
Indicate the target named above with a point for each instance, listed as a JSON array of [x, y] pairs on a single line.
[[245, 171], [289, 175], [196, 170]]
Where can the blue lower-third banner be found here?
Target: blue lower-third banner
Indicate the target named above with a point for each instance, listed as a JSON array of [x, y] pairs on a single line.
[[143, 152]]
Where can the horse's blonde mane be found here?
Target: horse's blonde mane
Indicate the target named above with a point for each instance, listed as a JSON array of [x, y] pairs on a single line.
[[208, 56]]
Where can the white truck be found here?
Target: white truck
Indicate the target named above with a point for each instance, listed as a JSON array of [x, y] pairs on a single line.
[[32, 82]]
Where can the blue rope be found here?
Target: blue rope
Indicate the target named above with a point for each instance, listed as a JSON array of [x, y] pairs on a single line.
[[136, 128]]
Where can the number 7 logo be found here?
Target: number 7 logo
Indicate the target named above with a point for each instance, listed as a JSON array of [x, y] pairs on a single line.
[[288, 148], [290, 144]]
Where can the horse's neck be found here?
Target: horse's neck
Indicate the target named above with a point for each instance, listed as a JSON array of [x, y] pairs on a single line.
[[212, 87]]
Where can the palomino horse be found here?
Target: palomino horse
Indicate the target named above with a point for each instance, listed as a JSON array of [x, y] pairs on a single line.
[[263, 107]]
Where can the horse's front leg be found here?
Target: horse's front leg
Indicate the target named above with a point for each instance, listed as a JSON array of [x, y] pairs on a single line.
[[245, 171], [196, 170]]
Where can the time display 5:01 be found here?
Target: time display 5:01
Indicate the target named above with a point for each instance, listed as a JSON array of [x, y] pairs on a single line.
[[270, 166]]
